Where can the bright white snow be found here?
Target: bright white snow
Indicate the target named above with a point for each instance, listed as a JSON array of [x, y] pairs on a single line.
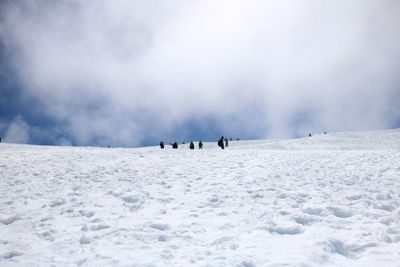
[[328, 200]]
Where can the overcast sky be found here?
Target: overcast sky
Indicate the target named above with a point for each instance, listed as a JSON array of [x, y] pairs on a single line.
[[135, 72]]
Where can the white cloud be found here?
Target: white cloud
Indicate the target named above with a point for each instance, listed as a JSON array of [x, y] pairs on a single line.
[[121, 70]]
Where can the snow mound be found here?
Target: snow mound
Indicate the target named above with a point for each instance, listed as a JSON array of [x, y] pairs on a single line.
[[374, 140]]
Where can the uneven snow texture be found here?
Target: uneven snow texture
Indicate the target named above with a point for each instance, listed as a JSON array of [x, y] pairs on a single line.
[[326, 200]]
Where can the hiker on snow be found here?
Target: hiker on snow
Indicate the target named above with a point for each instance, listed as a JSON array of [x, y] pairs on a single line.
[[200, 145], [162, 145], [191, 146], [175, 145], [221, 142]]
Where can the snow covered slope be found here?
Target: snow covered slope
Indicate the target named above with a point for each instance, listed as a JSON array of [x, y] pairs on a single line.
[[326, 200]]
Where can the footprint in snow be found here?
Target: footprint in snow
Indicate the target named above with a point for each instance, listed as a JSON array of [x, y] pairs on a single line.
[[159, 226], [86, 214], [162, 238], [248, 263], [305, 219], [391, 238], [340, 212], [114, 194], [383, 196], [130, 199], [10, 220], [84, 240], [214, 199], [355, 197], [47, 235], [314, 211], [285, 230], [392, 235], [84, 228], [348, 251], [388, 206], [99, 227], [81, 261], [10, 255], [75, 188], [57, 202], [282, 195]]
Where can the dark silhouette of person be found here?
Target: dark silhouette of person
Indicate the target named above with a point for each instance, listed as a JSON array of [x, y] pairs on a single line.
[[221, 142], [162, 145], [175, 145], [309, 134], [226, 142], [191, 145], [200, 145]]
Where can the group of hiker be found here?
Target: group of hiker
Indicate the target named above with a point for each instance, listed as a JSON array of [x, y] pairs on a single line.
[[175, 145], [222, 143]]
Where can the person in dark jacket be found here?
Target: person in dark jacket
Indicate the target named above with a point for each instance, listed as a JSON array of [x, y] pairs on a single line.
[[200, 145], [191, 145], [221, 142], [162, 145], [175, 145]]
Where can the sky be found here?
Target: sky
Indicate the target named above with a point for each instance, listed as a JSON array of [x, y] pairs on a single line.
[[133, 72]]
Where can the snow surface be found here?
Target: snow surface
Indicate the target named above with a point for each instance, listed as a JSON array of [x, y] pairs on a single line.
[[326, 200]]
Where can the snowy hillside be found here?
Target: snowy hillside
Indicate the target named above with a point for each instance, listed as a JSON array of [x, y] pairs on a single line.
[[326, 200]]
